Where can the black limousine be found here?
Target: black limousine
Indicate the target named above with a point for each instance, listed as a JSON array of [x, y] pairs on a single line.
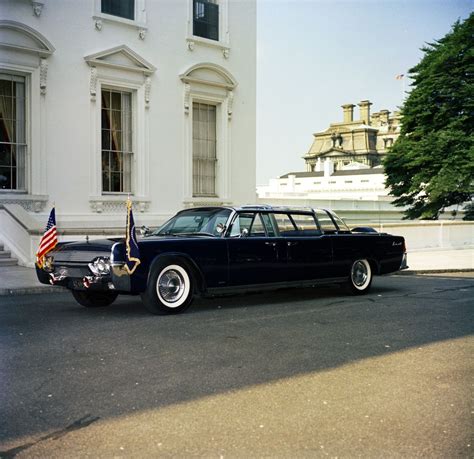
[[212, 250]]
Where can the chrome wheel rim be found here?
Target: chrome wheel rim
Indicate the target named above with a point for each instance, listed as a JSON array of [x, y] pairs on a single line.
[[171, 285], [359, 273]]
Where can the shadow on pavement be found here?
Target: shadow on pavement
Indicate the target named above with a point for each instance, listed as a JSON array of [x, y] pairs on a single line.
[[59, 361]]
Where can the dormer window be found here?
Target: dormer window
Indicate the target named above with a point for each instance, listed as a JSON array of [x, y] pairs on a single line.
[[121, 8], [206, 19]]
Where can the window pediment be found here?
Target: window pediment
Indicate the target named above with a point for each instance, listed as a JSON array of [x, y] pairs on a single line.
[[121, 57], [20, 37], [209, 74]]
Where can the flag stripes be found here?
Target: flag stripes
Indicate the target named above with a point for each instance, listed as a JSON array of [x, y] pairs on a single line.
[[49, 240]]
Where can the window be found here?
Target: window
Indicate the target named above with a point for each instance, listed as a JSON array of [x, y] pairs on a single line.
[[204, 150], [122, 8], [304, 222], [12, 132], [206, 19], [285, 225], [325, 222], [242, 222], [116, 141], [270, 225]]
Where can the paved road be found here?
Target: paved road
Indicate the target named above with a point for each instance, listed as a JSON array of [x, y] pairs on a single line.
[[308, 373]]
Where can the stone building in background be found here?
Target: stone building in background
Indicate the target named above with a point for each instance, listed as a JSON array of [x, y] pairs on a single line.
[[363, 141]]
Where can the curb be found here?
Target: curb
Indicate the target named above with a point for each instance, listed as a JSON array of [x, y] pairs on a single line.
[[434, 271], [31, 290]]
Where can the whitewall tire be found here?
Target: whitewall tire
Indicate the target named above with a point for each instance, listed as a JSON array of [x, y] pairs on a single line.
[[169, 289], [360, 276]]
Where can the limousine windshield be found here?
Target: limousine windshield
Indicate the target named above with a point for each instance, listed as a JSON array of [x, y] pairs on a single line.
[[195, 221]]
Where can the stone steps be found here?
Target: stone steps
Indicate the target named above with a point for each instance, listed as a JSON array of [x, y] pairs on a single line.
[[6, 259]]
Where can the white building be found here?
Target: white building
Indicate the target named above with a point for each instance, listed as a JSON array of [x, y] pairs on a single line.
[[104, 98]]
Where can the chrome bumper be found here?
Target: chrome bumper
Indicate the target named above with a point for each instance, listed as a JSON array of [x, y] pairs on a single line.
[[404, 263]]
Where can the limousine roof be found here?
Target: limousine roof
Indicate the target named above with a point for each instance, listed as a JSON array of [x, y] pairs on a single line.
[[260, 207]]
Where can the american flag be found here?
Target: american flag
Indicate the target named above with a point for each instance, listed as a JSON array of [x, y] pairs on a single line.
[[49, 240], [132, 252]]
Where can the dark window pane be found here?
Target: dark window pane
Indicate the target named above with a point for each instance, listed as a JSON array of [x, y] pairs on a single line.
[[116, 185], [116, 101], [105, 139], [122, 8], [206, 19], [5, 87], [5, 155], [105, 119], [116, 162], [105, 99], [5, 178], [105, 181]]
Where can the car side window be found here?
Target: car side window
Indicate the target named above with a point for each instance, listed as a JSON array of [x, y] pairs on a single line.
[[286, 227], [257, 229], [270, 224], [242, 222], [325, 221], [306, 224]]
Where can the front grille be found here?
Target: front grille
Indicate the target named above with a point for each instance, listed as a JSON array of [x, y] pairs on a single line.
[[77, 256]]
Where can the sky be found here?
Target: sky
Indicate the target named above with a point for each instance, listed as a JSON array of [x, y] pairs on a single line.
[[315, 55]]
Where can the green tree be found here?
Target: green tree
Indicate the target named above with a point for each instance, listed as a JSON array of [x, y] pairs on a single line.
[[431, 165]]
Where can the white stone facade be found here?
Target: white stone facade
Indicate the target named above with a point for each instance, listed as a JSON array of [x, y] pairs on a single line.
[[69, 52]]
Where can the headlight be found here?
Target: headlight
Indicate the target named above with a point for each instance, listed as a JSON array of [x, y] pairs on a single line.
[[100, 266]]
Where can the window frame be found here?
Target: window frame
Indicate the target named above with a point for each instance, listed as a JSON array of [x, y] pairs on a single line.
[[25, 144], [223, 43], [132, 153], [217, 140]]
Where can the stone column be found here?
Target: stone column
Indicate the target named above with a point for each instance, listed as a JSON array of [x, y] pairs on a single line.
[[384, 114]]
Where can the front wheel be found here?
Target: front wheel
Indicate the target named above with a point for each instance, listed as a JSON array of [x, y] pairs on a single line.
[[360, 277], [94, 299], [169, 289]]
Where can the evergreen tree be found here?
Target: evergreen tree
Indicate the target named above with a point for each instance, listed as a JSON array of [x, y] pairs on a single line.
[[431, 165]]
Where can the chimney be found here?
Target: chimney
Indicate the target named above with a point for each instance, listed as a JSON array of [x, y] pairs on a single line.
[[348, 110], [384, 116], [365, 111]]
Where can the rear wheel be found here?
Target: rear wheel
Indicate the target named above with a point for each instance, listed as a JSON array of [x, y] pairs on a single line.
[[170, 288], [360, 277], [94, 299]]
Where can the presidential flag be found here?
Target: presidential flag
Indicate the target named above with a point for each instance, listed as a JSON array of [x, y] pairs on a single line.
[[49, 240], [132, 253], [400, 76]]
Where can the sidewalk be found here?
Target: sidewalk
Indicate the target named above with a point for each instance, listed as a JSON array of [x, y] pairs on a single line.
[[17, 280]]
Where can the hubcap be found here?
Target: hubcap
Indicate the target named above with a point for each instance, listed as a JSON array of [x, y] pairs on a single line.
[[171, 286], [359, 273]]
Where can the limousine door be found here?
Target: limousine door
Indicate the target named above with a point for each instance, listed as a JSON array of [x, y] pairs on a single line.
[[255, 257], [309, 252]]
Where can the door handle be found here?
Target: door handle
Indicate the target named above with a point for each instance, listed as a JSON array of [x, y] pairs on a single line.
[[291, 243], [273, 244]]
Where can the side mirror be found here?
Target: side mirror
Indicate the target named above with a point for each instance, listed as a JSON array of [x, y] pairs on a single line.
[[220, 228], [244, 232], [144, 231]]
